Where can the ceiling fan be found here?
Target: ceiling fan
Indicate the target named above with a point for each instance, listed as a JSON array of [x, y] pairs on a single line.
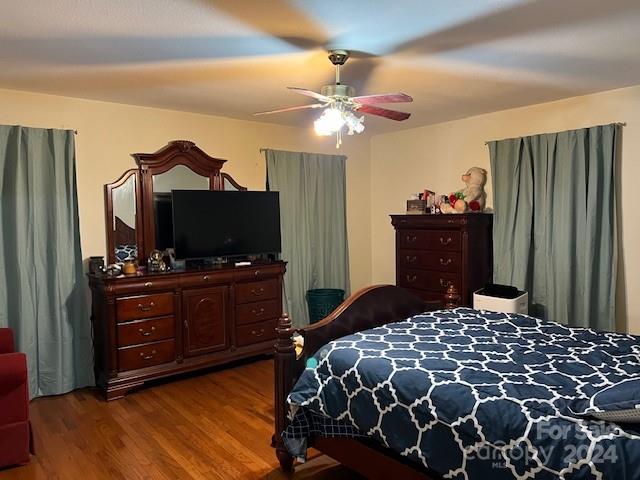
[[341, 105]]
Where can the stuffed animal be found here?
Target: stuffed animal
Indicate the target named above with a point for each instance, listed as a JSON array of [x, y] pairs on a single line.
[[471, 198], [474, 194]]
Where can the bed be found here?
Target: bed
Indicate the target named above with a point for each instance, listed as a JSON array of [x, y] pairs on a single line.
[[391, 386]]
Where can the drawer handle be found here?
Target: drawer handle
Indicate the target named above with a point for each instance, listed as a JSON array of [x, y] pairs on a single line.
[[148, 284], [410, 239], [444, 283], [258, 313], [205, 278], [148, 357], [146, 308], [146, 334], [445, 242], [257, 333], [411, 278], [444, 262], [411, 259], [257, 292], [257, 273]]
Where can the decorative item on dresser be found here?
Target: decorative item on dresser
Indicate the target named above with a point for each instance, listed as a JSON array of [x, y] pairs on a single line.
[[435, 251], [151, 325]]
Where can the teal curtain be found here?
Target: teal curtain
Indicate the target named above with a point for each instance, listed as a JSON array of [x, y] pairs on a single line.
[[42, 293], [555, 222], [313, 220]]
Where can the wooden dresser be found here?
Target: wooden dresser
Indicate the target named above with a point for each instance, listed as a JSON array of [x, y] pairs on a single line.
[[434, 251], [156, 325]]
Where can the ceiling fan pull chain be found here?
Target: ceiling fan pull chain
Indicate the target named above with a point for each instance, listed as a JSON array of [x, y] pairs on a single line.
[[338, 74]]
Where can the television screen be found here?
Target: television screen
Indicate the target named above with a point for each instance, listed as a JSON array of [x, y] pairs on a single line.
[[225, 223]]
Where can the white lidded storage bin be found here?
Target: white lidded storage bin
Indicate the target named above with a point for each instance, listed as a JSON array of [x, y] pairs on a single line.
[[516, 303]]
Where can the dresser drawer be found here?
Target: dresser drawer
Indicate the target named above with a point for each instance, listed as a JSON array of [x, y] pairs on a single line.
[[204, 279], [428, 280], [257, 311], [256, 291], [132, 358], [144, 306], [256, 332], [145, 331], [427, 260], [444, 240]]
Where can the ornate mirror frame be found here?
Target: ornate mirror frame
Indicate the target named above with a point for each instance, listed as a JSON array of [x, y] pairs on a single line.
[[177, 152]]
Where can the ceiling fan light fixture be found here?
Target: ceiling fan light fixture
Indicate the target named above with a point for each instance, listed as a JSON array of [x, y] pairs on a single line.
[[330, 121], [342, 107], [354, 124]]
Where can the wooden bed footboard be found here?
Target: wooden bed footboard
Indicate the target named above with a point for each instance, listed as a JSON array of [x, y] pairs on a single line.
[[368, 308]]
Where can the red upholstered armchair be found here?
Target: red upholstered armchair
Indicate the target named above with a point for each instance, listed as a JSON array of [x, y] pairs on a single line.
[[15, 431]]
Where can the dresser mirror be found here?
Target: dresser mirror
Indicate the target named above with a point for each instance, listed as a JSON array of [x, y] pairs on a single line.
[[179, 177], [122, 218], [138, 205]]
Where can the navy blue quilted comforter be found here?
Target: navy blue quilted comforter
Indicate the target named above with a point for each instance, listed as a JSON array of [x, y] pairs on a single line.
[[480, 395]]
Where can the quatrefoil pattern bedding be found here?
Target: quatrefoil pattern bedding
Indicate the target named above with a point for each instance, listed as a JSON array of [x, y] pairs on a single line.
[[479, 395]]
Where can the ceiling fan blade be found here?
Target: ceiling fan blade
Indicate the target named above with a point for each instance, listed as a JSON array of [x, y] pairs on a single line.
[[289, 109], [383, 98], [310, 93], [384, 112]]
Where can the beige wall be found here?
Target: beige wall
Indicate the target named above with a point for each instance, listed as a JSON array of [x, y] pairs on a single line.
[[435, 156], [108, 133]]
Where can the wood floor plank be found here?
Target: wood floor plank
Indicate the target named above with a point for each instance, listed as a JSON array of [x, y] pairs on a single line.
[[214, 426]]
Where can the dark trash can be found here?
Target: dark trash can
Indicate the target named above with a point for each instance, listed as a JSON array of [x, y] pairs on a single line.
[[323, 301]]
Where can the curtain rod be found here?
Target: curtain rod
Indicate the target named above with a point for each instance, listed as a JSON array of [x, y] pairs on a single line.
[[621, 124], [263, 149]]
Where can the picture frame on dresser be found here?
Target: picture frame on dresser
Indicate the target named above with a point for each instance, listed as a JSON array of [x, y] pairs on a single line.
[[153, 325]]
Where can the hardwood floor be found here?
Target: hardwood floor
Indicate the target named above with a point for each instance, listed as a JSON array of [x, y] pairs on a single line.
[[216, 425]]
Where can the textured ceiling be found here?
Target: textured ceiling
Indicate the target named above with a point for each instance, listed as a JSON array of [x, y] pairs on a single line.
[[233, 57]]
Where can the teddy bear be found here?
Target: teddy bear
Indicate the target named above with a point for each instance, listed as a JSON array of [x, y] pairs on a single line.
[[473, 197], [474, 194]]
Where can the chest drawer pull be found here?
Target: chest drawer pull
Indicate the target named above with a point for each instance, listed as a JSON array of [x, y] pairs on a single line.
[[257, 333], [146, 308], [148, 284], [257, 273], [148, 357], [444, 283], [258, 313], [411, 259], [147, 334], [205, 277], [410, 238], [444, 262], [411, 278], [446, 241], [257, 291]]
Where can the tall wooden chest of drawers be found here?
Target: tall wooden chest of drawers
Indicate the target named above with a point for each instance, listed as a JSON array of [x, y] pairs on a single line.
[[152, 326], [434, 251]]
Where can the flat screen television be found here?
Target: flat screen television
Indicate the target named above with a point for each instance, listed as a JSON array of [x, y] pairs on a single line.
[[210, 223]]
